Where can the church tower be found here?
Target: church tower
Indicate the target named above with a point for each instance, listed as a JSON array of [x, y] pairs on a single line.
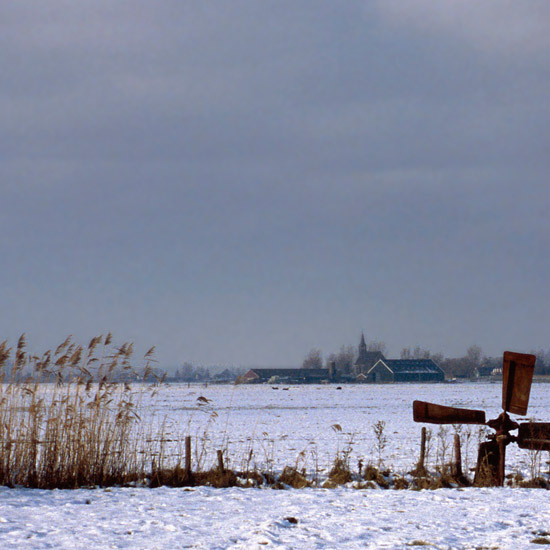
[[362, 358], [366, 359], [362, 345]]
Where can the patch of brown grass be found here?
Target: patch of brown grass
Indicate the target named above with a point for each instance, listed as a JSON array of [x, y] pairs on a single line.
[[372, 473], [292, 477], [340, 472]]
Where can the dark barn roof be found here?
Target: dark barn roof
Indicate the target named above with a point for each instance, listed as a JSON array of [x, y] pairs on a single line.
[[405, 370], [410, 366]]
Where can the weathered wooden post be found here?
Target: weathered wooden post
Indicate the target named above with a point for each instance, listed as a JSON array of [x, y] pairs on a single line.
[[187, 456], [457, 466], [221, 467], [420, 466]]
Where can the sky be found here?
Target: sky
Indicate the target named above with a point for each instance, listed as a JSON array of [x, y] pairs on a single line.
[[239, 182]]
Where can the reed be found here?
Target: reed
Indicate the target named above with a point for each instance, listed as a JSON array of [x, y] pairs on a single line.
[[69, 418]]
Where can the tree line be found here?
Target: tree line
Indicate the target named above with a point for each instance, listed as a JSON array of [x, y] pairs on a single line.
[[193, 373], [465, 366]]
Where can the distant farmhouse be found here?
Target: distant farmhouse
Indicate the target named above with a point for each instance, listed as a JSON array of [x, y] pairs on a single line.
[[370, 366], [287, 376]]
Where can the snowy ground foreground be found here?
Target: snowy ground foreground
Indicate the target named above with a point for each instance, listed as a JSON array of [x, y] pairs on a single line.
[[285, 427], [207, 518]]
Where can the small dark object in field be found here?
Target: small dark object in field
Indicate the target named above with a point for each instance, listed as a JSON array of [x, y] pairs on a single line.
[[339, 387], [540, 540], [291, 519]]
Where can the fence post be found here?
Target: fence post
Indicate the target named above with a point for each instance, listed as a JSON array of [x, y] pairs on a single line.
[[457, 466], [420, 466], [188, 455], [220, 462]]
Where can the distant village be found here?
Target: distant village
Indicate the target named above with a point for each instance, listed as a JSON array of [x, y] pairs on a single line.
[[366, 363], [370, 366]]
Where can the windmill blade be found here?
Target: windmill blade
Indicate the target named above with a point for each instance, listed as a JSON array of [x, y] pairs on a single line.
[[440, 414], [534, 435], [517, 376]]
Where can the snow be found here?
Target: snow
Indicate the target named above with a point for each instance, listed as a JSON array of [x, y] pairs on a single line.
[[278, 425], [283, 427], [168, 518]]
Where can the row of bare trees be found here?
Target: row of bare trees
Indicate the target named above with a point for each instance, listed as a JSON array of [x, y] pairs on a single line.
[[191, 373], [465, 366], [343, 359]]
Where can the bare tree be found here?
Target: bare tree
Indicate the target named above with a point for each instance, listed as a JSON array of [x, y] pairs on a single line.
[[380, 346], [187, 371], [313, 360], [343, 359], [473, 359], [416, 353], [474, 354]]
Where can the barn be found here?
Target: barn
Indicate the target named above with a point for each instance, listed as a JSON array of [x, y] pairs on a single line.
[[405, 370], [289, 376]]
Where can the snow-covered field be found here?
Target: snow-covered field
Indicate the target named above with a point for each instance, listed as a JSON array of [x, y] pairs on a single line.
[[278, 425]]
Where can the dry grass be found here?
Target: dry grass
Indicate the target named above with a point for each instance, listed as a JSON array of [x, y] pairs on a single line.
[[80, 429], [340, 472], [373, 474], [293, 478]]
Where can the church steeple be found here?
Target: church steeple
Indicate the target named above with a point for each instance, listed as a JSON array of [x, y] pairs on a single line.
[[362, 358], [362, 345], [363, 361], [366, 359]]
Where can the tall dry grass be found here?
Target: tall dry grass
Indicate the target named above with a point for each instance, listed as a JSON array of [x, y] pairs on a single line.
[[69, 418]]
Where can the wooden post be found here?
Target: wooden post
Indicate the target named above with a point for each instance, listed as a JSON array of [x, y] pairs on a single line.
[[501, 440], [220, 462], [420, 466], [188, 455], [457, 466]]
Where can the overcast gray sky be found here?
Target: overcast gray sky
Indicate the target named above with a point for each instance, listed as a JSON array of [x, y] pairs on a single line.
[[238, 182]]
